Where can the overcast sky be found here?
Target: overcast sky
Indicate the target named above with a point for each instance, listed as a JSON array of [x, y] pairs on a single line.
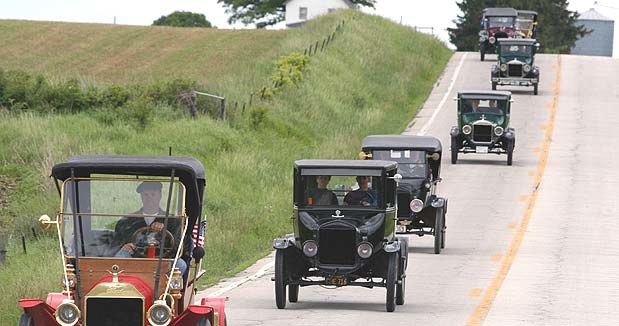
[[436, 13]]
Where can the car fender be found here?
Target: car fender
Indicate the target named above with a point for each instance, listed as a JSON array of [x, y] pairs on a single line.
[[55, 299], [454, 132], [284, 243], [510, 134], [211, 308], [439, 202], [392, 246], [41, 312]]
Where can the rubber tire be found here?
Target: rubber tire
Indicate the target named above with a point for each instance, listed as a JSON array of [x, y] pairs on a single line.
[[25, 320], [493, 86], [293, 293], [400, 289], [204, 322], [438, 230], [280, 279], [510, 153], [443, 231], [391, 281], [534, 89], [482, 54], [454, 150]]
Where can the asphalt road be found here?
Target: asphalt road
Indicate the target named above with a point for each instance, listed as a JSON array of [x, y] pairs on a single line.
[[528, 244]]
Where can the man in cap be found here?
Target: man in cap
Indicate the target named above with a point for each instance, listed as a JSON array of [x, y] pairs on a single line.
[[154, 218], [364, 196]]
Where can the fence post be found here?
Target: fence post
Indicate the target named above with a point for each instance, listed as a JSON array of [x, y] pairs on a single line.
[[23, 244], [3, 241], [222, 109], [316, 47], [322, 48], [251, 97]]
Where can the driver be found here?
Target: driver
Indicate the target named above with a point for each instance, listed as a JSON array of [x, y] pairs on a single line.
[[150, 193], [363, 196]]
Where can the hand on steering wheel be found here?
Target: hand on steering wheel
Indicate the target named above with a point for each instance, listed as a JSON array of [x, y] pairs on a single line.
[[148, 237]]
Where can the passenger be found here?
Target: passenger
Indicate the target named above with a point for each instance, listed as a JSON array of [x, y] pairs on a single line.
[[150, 193], [363, 196], [321, 196]]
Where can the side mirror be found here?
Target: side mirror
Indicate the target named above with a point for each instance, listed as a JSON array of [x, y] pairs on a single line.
[[397, 177]]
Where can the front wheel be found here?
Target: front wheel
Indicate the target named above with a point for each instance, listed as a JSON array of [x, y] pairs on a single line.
[[443, 230], [454, 150], [510, 152], [392, 279], [293, 293], [204, 322], [482, 53], [438, 231], [535, 89], [25, 320], [494, 86], [280, 279]]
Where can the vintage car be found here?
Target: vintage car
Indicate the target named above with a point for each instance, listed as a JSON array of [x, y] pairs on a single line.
[[526, 24], [420, 211], [344, 230], [496, 23], [123, 223], [516, 66], [483, 124]]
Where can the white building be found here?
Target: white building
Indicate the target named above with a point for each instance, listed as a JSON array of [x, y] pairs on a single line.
[[299, 11]]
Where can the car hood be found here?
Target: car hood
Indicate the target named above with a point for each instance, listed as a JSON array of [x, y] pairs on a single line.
[[521, 59]]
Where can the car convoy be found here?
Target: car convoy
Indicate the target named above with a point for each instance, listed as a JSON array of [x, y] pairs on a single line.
[[346, 213]]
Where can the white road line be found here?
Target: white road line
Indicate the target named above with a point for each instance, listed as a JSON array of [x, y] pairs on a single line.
[[240, 282], [263, 270], [440, 105]]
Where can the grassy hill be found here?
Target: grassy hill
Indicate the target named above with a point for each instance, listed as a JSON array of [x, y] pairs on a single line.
[[371, 79]]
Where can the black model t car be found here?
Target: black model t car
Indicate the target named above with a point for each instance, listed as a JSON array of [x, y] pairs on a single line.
[[496, 23], [516, 66], [420, 210], [125, 238], [483, 124], [344, 230]]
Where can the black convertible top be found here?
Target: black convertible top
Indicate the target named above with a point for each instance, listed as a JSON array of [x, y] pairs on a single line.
[[527, 12], [424, 143], [485, 94], [189, 171], [517, 41], [342, 164], [500, 12]]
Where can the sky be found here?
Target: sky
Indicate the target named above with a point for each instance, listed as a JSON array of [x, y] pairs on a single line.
[[438, 14]]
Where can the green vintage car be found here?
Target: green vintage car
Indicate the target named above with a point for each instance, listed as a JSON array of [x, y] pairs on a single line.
[[483, 124], [516, 66]]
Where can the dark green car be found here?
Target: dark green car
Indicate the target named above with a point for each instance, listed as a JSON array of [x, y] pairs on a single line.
[[516, 66], [483, 124], [420, 210]]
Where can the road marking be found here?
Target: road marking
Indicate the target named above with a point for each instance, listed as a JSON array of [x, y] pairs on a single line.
[[523, 198], [543, 127], [481, 312], [263, 270], [531, 173], [536, 149], [476, 292], [425, 128], [497, 257], [549, 105], [511, 226]]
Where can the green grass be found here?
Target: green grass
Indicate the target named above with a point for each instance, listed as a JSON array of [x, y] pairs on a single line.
[[370, 80]]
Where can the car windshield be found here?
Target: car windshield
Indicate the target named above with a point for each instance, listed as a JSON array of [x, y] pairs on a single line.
[[515, 50], [524, 24], [411, 164], [479, 106], [494, 22], [112, 213], [340, 190]]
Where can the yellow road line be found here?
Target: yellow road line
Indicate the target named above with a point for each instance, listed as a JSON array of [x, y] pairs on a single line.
[[480, 313]]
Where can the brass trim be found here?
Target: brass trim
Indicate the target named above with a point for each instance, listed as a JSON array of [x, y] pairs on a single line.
[[113, 290]]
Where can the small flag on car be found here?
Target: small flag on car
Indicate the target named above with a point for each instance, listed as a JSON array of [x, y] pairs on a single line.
[[198, 233]]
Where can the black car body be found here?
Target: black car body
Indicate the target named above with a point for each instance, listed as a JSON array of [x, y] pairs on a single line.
[[496, 23], [516, 64], [483, 124], [339, 243], [420, 210]]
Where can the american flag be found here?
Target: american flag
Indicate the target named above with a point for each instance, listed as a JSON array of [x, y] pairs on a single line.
[[198, 233]]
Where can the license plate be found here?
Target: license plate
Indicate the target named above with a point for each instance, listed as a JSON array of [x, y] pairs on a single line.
[[515, 83], [336, 281], [481, 149], [400, 228]]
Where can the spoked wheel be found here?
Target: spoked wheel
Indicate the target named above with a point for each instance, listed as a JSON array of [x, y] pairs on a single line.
[[392, 279], [25, 320], [510, 152], [293, 293], [438, 230], [400, 288], [280, 279], [204, 322], [454, 150]]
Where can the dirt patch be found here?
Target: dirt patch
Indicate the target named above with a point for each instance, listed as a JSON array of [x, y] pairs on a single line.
[[7, 186]]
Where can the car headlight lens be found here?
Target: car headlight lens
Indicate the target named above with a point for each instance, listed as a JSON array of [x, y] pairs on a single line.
[[159, 314], [427, 185], [416, 205], [526, 68], [67, 313], [503, 67], [364, 250], [498, 130], [466, 129], [310, 248], [492, 39]]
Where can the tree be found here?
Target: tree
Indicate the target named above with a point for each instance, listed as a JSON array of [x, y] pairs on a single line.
[[557, 30], [265, 12], [183, 19]]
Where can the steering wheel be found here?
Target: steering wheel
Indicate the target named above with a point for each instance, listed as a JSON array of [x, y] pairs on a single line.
[[145, 238]]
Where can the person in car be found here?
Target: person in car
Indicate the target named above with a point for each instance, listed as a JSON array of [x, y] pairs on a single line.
[[364, 196], [321, 196]]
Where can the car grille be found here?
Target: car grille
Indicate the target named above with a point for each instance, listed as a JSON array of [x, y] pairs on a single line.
[[337, 244], [482, 133], [514, 70], [114, 312], [404, 209]]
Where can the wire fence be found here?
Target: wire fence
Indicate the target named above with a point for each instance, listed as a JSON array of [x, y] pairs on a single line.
[[221, 107]]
